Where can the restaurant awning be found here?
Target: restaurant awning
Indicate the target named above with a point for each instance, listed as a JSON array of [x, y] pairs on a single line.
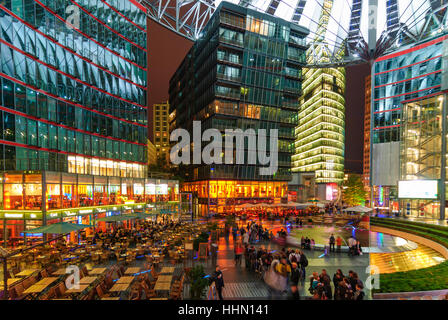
[[59, 228]]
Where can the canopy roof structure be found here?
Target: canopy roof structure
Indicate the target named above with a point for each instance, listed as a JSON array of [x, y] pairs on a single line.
[[59, 228], [342, 32]]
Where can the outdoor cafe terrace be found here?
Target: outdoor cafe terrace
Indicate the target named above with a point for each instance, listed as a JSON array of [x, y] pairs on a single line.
[[122, 267]]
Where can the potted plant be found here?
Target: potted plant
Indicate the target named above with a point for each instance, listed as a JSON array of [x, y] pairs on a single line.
[[203, 237], [198, 282]]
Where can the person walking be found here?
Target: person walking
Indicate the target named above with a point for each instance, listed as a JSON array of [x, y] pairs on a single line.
[[294, 281], [219, 281]]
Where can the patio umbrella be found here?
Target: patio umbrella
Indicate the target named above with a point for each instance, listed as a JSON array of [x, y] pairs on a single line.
[[59, 228], [118, 218], [358, 209]]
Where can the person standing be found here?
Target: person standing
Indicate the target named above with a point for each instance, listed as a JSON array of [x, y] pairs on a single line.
[[303, 261], [219, 281], [325, 280], [332, 242], [214, 252], [339, 243], [359, 294], [246, 238], [294, 281], [238, 252]]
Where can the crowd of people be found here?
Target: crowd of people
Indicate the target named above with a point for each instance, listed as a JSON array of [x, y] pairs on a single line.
[[285, 271]]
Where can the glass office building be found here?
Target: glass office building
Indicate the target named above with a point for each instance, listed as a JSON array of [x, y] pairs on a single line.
[[244, 72], [401, 77], [161, 132], [318, 158], [422, 146], [72, 95], [320, 135]]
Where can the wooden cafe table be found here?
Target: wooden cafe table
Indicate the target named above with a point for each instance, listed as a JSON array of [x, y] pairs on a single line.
[[97, 271], [10, 281], [60, 272], [80, 288], [165, 278], [162, 286], [132, 270], [26, 272], [125, 279], [87, 280], [35, 288], [167, 270], [119, 287]]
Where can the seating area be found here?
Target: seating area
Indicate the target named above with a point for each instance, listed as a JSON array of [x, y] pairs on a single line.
[[129, 265]]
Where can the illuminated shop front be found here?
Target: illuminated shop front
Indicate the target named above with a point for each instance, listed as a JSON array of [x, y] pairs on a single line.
[[406, 124], [223, 196], [73, 198], [422, 166]]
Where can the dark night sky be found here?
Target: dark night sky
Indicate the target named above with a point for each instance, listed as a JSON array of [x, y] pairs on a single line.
[[167, 49]]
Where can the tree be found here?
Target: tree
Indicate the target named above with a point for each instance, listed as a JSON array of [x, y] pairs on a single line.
[[353, 193]]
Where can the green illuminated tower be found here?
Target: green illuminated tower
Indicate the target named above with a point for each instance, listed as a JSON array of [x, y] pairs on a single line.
[[320, 134]]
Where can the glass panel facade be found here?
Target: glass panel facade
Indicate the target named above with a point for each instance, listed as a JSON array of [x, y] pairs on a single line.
[[248, 78], [71, 88]]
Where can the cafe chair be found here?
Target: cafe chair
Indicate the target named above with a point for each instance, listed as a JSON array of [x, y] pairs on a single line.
[[108, 281], [95, 259], [44, 273], [119, 258], [130, 258], [105, 256], [59, 290], [135, 293], [84, 271], [149, 293], [101, 292]]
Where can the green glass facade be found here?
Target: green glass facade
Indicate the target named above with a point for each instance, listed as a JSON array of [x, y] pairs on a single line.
[[73, 87], [245, 71]]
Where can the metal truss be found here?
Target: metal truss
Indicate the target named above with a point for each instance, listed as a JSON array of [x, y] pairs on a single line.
[[188, 18], [185, 17]]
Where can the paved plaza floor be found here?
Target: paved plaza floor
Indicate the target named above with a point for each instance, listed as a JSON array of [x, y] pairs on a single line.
[[240, 283]]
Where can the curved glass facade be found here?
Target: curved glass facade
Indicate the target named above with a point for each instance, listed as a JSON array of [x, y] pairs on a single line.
[[73, 87]]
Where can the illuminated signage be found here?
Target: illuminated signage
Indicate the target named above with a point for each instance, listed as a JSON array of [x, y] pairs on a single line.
[[150, 189], [162, 189], [85, 211], [14, 215], [418, 189]]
